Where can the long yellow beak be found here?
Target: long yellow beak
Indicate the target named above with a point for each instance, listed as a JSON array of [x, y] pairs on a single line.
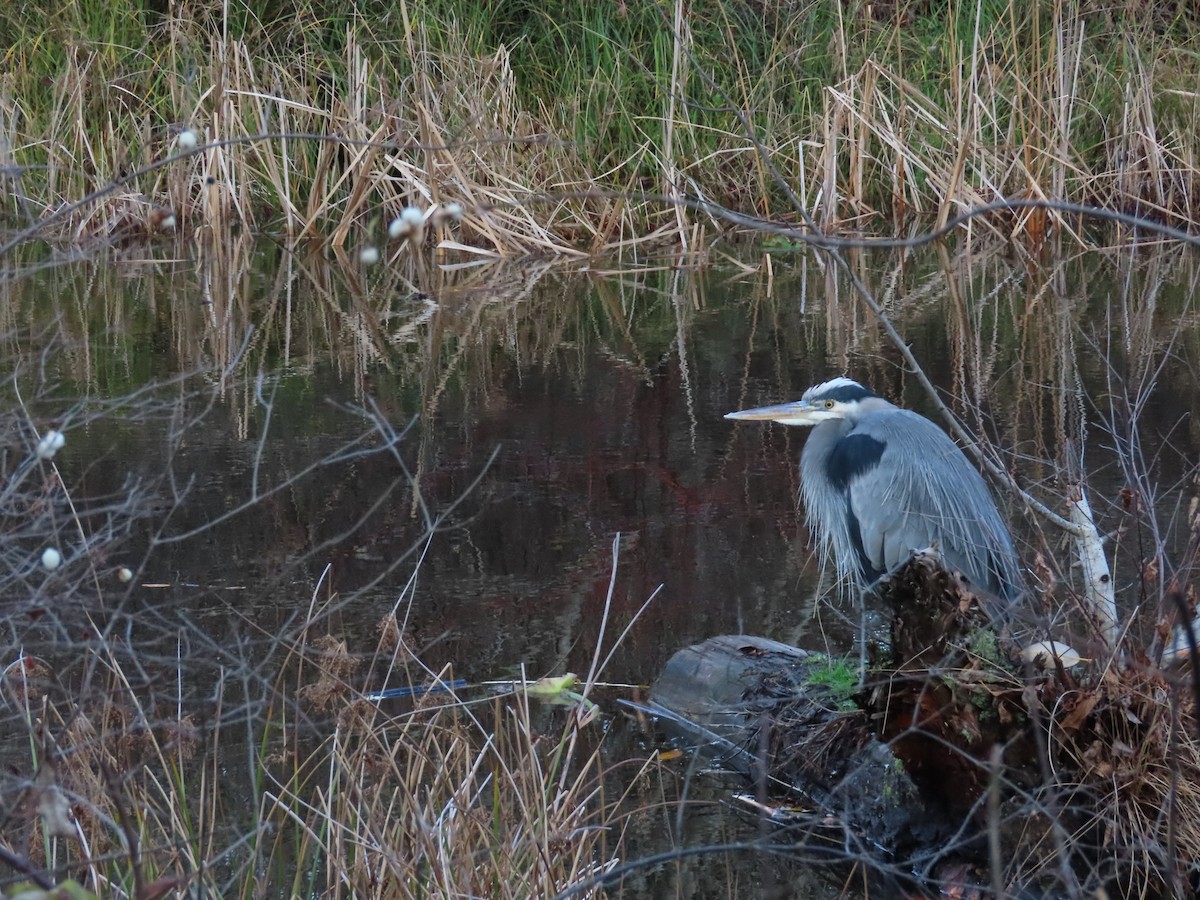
[[798, 412]]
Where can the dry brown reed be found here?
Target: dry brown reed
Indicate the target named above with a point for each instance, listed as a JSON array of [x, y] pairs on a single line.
[[285, 773], [922, 112], [1013, 126], [433, 797], [442, 797], [1118, 808]]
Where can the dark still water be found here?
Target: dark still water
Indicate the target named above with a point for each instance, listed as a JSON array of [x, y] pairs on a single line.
[[537, 413]]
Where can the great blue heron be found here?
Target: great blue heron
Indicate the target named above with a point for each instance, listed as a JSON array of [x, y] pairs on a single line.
[[880, 482]]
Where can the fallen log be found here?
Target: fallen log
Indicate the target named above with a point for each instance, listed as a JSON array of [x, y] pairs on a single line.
[[899, 763], [963, 758], [767, 710]]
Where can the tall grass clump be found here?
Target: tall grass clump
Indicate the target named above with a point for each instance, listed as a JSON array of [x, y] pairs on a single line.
[[583, 125], [324, 793], [148, 753]]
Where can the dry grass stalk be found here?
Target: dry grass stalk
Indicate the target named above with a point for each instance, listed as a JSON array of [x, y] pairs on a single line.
[[1127, 765], [994, 143], [444, 799], [1011, 101]]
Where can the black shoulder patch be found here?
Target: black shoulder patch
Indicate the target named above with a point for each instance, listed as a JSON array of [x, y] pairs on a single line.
[[853, 455]]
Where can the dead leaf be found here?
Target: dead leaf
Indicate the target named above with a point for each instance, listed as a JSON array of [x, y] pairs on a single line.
[[1083, 708]]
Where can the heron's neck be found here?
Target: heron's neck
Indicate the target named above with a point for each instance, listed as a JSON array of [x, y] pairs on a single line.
[[869, 405]]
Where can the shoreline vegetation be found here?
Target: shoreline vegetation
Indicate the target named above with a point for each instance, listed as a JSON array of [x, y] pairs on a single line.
[[578, 127], [149, 759]]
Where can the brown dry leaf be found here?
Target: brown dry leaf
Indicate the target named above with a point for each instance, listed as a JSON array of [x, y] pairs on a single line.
[[389, 632], [1096, 757], [1082, 709]]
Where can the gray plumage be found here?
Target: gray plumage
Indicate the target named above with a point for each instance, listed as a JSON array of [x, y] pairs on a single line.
[[880, 482]]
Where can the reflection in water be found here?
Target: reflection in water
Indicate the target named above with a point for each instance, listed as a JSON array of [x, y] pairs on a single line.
[[550, 409]]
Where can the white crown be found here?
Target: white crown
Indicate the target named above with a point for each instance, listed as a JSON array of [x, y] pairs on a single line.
[[840, 382]]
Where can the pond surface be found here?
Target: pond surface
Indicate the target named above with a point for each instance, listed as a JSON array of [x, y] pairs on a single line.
[[546, 411]]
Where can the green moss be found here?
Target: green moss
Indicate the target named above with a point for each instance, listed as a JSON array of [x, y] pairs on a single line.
[[983, 644], [839, 677]]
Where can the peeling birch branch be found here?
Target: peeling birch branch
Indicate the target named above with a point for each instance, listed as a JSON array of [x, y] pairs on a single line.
[[1098, 595]]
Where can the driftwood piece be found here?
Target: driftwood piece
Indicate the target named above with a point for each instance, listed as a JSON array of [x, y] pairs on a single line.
[[752, 704], [702, 694], [900, 763], [939, 618], [951, 690]]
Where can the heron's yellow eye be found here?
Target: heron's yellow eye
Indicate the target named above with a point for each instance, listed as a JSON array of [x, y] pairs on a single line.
[[829, 404]]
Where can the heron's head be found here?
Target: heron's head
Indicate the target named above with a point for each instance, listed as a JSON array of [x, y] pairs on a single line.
[[840, 398]]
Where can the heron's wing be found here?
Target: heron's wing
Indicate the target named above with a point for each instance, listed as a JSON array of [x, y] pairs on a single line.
[[922, 492], [850, 469]]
